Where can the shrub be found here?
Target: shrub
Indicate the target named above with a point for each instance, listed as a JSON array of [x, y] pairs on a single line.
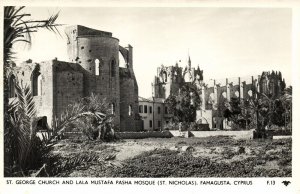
[[23, 150], [91, 115]]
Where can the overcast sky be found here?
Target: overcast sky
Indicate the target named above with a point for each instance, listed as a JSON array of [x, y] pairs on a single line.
[[225, 42]]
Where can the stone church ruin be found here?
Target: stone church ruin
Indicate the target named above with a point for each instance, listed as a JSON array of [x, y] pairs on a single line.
[[93, 67], [213, 93]]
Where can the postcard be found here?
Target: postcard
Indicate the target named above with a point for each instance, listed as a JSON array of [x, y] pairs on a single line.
[[154, 96]]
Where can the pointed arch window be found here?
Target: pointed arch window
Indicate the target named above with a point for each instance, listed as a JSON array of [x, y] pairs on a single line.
[[36, 84], [113, 68], [165, 77], [113, 108], [130, 112], [97, 67], [12, 85], [250, 93]]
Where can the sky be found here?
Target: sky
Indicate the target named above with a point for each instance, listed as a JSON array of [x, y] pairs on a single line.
[[224, 42]]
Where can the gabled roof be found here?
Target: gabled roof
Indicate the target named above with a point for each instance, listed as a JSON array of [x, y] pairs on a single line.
[[158, 100]]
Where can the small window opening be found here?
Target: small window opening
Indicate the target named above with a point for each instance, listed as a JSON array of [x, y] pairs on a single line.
[[113, 68], [130, 110], [97, 67]]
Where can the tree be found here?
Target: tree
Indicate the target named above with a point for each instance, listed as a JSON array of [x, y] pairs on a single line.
[[91, 115], [23, 150], [18, 27], [233, 112], [287, 101], [233, 109], [242, 112], [263, 111], [184, 105], [19, 128]]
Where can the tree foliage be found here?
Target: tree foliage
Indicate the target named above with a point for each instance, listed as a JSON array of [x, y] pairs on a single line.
[[18, 27], [23, 150], [184, 105], [91, 115], [260, 112]]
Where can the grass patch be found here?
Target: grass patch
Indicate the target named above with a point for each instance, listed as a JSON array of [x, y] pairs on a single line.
[[261, 155], [167, 163]]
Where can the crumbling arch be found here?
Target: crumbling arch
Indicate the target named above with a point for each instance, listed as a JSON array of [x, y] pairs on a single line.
[[200, 121], [224, 94], [250, 93], [237, 94], [124, 52], [122, 61], [165, 76]]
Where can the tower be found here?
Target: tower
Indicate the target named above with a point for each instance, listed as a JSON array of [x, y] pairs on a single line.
[[98, 53], [167, 81]]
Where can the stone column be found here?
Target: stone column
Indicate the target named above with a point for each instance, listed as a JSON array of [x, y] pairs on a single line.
[[242, 90], [215, 92], [227, 90], [203, 97]]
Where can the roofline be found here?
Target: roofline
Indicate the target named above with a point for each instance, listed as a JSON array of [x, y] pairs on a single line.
[[97, 36]]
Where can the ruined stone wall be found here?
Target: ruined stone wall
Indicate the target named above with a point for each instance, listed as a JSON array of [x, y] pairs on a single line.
[[167, 81], [44, 101], [235, 91], [45, 105], [214, 93], [93, 68], [207, 93], [68, 89], [129, 94], [129, 100], [98, 53], [67, 85]]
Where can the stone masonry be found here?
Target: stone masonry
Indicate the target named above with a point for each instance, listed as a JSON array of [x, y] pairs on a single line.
[[93, 67], [214, 92]]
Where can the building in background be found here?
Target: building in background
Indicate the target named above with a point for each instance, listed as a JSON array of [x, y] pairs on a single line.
[[214, 93], [93, 67], [154, 112], [170, 78]]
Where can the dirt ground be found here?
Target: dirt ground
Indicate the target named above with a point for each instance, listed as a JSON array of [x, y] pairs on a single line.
[[268, 154]]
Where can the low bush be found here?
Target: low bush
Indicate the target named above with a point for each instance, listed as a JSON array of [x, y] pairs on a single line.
[[166, 163]]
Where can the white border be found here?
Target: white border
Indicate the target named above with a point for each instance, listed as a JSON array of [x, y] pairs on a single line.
[[259, 185]]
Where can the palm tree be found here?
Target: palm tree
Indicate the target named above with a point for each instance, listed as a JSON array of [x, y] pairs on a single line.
[[260, 110], [23, 150], [90, 111], [20, 132], [18, 27]]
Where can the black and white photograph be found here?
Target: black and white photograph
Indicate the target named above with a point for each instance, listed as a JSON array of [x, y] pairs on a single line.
[[148, 92]]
